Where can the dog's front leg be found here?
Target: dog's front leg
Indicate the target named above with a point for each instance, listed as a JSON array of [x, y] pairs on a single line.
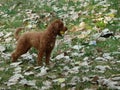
[[40, 56], [48, 53]]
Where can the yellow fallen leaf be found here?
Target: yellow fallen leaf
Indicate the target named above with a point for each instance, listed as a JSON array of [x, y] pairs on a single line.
[[61, 80], [112, 15], [82, 25]]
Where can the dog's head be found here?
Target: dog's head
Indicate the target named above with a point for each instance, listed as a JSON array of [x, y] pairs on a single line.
[[58, 27]]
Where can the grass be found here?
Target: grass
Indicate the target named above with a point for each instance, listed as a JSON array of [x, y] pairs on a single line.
[[14, 12]]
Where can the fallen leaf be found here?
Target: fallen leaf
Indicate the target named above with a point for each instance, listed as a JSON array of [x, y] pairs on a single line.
[[107, 56], [75, 79], [8, 39], [27, 56], [89, 89], [2, 48], [95, 79], [58, 57], [31, 83], [115, 78], [85, 79], [8, 34], [106, 33], [82, 25], [52, 76], [75, 54], [74, 69], [92, 43], [117, 36], [101, 39], [1, 34], [29, 73], [1, 69], [102, 68], [14, 79], [15, 64], [115, 53], [96, 35], [77, 63], [62, 85], [46, 85], [84, 34], [18, 70], [59, 80], [43, 71], [100, 59], [74, 15], [77, 47], [6, 56], [85, 63], [109, 83]]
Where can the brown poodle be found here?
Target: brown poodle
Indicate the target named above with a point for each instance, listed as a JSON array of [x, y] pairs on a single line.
[[43, 41]]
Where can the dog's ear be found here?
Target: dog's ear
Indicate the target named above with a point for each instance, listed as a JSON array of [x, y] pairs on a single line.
[[59, 23], [56, 26]]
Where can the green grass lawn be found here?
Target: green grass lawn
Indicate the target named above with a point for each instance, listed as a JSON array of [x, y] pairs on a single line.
[[82, 59]]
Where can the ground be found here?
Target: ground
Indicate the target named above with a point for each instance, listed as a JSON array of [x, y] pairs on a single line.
[[87, 57]]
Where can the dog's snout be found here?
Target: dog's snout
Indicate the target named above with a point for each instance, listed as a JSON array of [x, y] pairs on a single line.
[[65, 29]]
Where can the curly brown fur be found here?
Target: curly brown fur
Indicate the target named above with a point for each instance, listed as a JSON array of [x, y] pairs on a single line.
[[43, 41], [16, 34]]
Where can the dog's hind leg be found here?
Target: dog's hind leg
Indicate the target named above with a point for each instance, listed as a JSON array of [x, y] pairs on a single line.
[[20, 49]]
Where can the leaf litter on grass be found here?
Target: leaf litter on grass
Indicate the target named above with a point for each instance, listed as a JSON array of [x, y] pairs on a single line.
[[88, 63]]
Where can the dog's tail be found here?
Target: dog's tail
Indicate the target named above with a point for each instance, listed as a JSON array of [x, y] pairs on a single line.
[[16, 34]]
